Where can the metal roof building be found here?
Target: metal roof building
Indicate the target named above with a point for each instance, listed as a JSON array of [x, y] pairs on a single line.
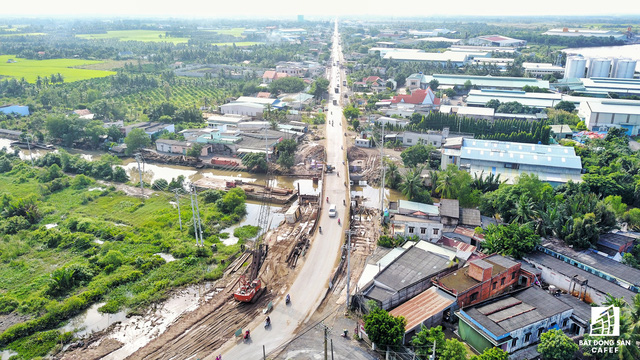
[[552, 163], [535, 100], [488, 82], [600, 116], [512, 321], [456, 58]]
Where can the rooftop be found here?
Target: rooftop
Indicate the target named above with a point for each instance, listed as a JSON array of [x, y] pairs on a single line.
[[406, 218], [569, 270], [488, 81], [413, 265], [460, 281], [581, 309], [537, 100], [424, 56], [529, 154], [416, 206], [427, 304], [512, 312], [470, 217], [596, 261], [449, 208], [615, 239], [614, 107]]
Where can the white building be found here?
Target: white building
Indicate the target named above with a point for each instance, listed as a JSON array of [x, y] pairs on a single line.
[[541, 69], [600, 116], [430, 138], [389, 121], [496, 40], [425, 229], [242, 108], [586, 32]]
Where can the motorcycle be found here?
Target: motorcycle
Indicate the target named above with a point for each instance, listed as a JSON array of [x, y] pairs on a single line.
[[338, 221], [287, 300], [267, 322], [327, 199], [247, 335], [320, 229]]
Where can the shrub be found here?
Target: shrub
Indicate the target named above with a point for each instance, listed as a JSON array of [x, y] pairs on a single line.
[[81, 181], [14, 224], [7, 304]]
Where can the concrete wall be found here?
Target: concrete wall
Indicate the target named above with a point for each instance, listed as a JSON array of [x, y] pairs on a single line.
[[485, 290], [420, 227]]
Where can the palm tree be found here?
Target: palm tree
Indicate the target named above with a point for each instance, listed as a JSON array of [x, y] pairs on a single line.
[[445, 183], [412, 183], [486, 184], [525, 210], [617, 302], [393, 175]]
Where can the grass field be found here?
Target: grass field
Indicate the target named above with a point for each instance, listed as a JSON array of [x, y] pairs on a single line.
[[237, 32], [238, 43], [31, 69], [23, 34], [135, 35]]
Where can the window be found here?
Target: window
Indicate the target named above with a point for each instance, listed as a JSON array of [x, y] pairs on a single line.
[[423, 231], [540, 332], [474, 296], [564, 323], [495, 284], [409, 141], [513, 276], [514, 342], [411, 228], [527, 337], [552, 325], [502, 281], [435, 231]]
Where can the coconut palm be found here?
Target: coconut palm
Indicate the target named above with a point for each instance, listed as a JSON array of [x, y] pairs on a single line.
[[445, 183], [393, 178], [525, 210], [412, 183]]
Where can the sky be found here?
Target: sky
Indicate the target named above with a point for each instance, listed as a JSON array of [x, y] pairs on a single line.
[[285, 8]]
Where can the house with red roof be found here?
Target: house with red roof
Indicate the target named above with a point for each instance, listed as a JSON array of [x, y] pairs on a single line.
[[270, 75], [417, 97]]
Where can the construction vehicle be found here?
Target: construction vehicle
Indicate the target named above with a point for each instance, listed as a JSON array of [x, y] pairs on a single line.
[[328, 168], [248, 291]]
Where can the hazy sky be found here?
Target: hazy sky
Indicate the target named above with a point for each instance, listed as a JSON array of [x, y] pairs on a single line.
[[226, 8]]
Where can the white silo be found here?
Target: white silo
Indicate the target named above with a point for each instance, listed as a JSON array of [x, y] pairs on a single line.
[[623, 69], [599, 67], [574, 69]]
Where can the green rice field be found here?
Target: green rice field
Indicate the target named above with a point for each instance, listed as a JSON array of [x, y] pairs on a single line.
[[135, 35], [31, 69], [22, 34], [237, 32]]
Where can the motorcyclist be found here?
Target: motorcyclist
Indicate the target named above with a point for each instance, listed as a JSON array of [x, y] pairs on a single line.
[[288, 299], [268, 321], [338, 221], [327, 199], [320, 228], [247, 334]]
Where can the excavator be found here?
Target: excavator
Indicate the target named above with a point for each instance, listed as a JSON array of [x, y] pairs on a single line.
[[251, 287]]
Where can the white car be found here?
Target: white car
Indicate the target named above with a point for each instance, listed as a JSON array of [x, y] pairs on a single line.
[[332, 211]]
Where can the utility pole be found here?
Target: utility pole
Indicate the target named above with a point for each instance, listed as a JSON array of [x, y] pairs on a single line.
[[195, 191], [349, 232], [193, 216], [139, 161], [331, 349], [325, 343], [29, 147], [383, 174], [178, 202]]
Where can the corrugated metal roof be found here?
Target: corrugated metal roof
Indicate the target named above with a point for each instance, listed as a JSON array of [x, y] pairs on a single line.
[[488, 81], [416, 206], [413, 265], [450, 208], [422, 307], [519, 153]]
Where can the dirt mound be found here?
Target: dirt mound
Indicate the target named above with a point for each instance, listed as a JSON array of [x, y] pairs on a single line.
[[355, 153]]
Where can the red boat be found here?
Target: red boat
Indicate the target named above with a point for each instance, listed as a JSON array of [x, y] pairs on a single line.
[[248, 290]]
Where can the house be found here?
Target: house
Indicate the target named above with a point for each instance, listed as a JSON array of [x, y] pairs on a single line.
[[496, 40], [512, 321], [291, 69], [541, 69], [551, 163], [363, 142], [389, 121], [150, 128], [84, 114], [431, 137], [465, 252], [614, 245], [574, 279], [178, 147], [405, 207], [599, 265], [417, 97], [406, 276], [368, 83], [424, 229], [600, 116], [561, 132], [270, 75], [21, 110], [427, 309], [482, 279], [264, 95], [470, 217], [226, 120], [449, 212]]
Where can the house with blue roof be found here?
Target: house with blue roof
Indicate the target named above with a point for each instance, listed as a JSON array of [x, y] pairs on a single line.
[[554, 164], [21, 110]]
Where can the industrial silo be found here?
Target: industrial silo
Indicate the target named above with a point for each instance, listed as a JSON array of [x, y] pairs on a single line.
[[599, 67], [623, 69], [574, 69]]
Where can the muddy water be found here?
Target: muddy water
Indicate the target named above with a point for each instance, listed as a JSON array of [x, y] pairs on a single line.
[[372, 195], [276, 215], [91, 320], [26, 155], [137, 331]]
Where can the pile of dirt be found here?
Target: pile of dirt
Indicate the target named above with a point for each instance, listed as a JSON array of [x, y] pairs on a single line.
[[305, 155], [356, 153]]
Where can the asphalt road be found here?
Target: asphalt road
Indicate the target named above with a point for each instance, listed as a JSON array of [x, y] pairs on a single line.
[[311, 283]]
